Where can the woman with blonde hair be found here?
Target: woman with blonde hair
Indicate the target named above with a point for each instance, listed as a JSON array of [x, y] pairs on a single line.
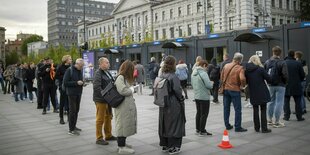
[[126, 112], [255, 76], [61, 70]]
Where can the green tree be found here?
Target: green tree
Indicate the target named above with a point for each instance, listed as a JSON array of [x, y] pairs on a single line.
[[11, 58], [127, 38], [103, 41], [305, 10], [33, 38]]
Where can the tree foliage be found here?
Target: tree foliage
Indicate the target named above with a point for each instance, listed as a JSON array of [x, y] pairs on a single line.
[[305, 10], [33, 38], [11, 58]]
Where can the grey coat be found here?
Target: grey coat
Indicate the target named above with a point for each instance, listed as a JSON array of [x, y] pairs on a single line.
[[172, 117], [126, 112], [141, 72], [19, 88]]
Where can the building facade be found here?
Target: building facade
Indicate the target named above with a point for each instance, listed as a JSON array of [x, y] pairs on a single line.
[[140, 20], [63, 16], [14, 46], [23, 36], [37, 48], [2, 43]]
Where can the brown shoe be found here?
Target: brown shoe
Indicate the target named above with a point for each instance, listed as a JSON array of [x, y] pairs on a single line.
[[102, 142]]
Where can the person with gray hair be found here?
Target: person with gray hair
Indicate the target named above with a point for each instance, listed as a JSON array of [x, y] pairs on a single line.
[[73, 83], [233, 78]]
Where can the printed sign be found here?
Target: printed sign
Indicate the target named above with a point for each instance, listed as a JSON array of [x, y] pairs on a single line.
[[88, 69]]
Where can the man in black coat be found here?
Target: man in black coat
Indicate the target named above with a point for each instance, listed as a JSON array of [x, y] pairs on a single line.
[[47, 73], [39, 85], [153, 71], [296, 76], [30, 76], [73, 82]]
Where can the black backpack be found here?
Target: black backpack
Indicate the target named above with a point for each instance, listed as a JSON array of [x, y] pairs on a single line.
[[273, 71], [215, 73]]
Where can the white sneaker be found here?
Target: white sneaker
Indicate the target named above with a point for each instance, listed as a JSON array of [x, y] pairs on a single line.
[[125, 150], [270, 122], [278, 125]]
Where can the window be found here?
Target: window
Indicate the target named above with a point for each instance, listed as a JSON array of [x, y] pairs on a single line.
[[156, 34], [256, 24], [231, 23], [189, 29], [180, 31], [100, 30], [230, 2], [199, 28], [146, 20], [139, 21], [92, 32], [294, 5], [273, 3], [171, 13], [132, 37], [156, 17], [172, 32], [281, 21], [199, 7], [88, 32], [164, 34], [189, 9], [273, 21], [288, 4], [255, 1], [163, 16], [179, 11], [96, 31], [139, 37], [288, 21], [280, 4]]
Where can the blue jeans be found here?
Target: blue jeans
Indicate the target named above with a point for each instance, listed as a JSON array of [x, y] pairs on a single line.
[[275, 106], [235, 98], [21, 96], [303, 101]]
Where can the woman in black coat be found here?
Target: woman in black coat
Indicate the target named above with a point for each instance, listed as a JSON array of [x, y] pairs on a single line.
[[255, 77]]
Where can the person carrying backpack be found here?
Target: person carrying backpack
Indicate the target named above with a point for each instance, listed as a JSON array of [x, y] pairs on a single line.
[[172, 120], [214, 73], [153, 71], [277, 70], [182, 74]]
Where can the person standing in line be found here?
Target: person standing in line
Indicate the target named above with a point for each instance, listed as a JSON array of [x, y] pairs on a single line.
[[276, 86], [25, 67], [126, 112], [73, 81], [2, 78], [296, 75], [47, 73], [198, 59], [182, 74], [19, 85], [255, 76], [61, 70], [8, 75], [298, 57], [233, 75], [30, 76], [214, 73], [140, 77], [104, 114], [202, 86], [226, 60], [172, 119], [153, 71], [39, 85]]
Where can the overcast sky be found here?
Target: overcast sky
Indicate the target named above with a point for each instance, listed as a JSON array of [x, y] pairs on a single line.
[[26, 16]]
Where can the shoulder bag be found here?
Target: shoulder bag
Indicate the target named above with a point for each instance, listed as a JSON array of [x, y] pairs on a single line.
[[222, 86]]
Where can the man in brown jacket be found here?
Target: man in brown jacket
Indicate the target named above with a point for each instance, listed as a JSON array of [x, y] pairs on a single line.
[[233, 78]]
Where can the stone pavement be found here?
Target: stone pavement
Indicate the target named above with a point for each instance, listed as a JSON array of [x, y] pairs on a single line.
[[24, 130]]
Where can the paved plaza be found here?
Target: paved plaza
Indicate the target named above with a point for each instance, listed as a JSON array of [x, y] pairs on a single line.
[[25, 131]]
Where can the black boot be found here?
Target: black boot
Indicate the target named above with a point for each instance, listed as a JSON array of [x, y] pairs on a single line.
[[61, 121]]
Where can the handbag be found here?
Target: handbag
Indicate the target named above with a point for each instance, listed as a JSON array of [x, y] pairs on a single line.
[[222, 86], [112, 96], [135, 73], [14, 81]]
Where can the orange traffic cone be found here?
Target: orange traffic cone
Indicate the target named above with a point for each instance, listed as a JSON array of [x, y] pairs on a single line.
[[225, 142]]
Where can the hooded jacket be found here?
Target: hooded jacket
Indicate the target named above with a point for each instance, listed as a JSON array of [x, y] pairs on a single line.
[[201, 84], [182, 71], [255, 77]]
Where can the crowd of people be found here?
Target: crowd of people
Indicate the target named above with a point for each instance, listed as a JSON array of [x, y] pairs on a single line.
[[278, 79]]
